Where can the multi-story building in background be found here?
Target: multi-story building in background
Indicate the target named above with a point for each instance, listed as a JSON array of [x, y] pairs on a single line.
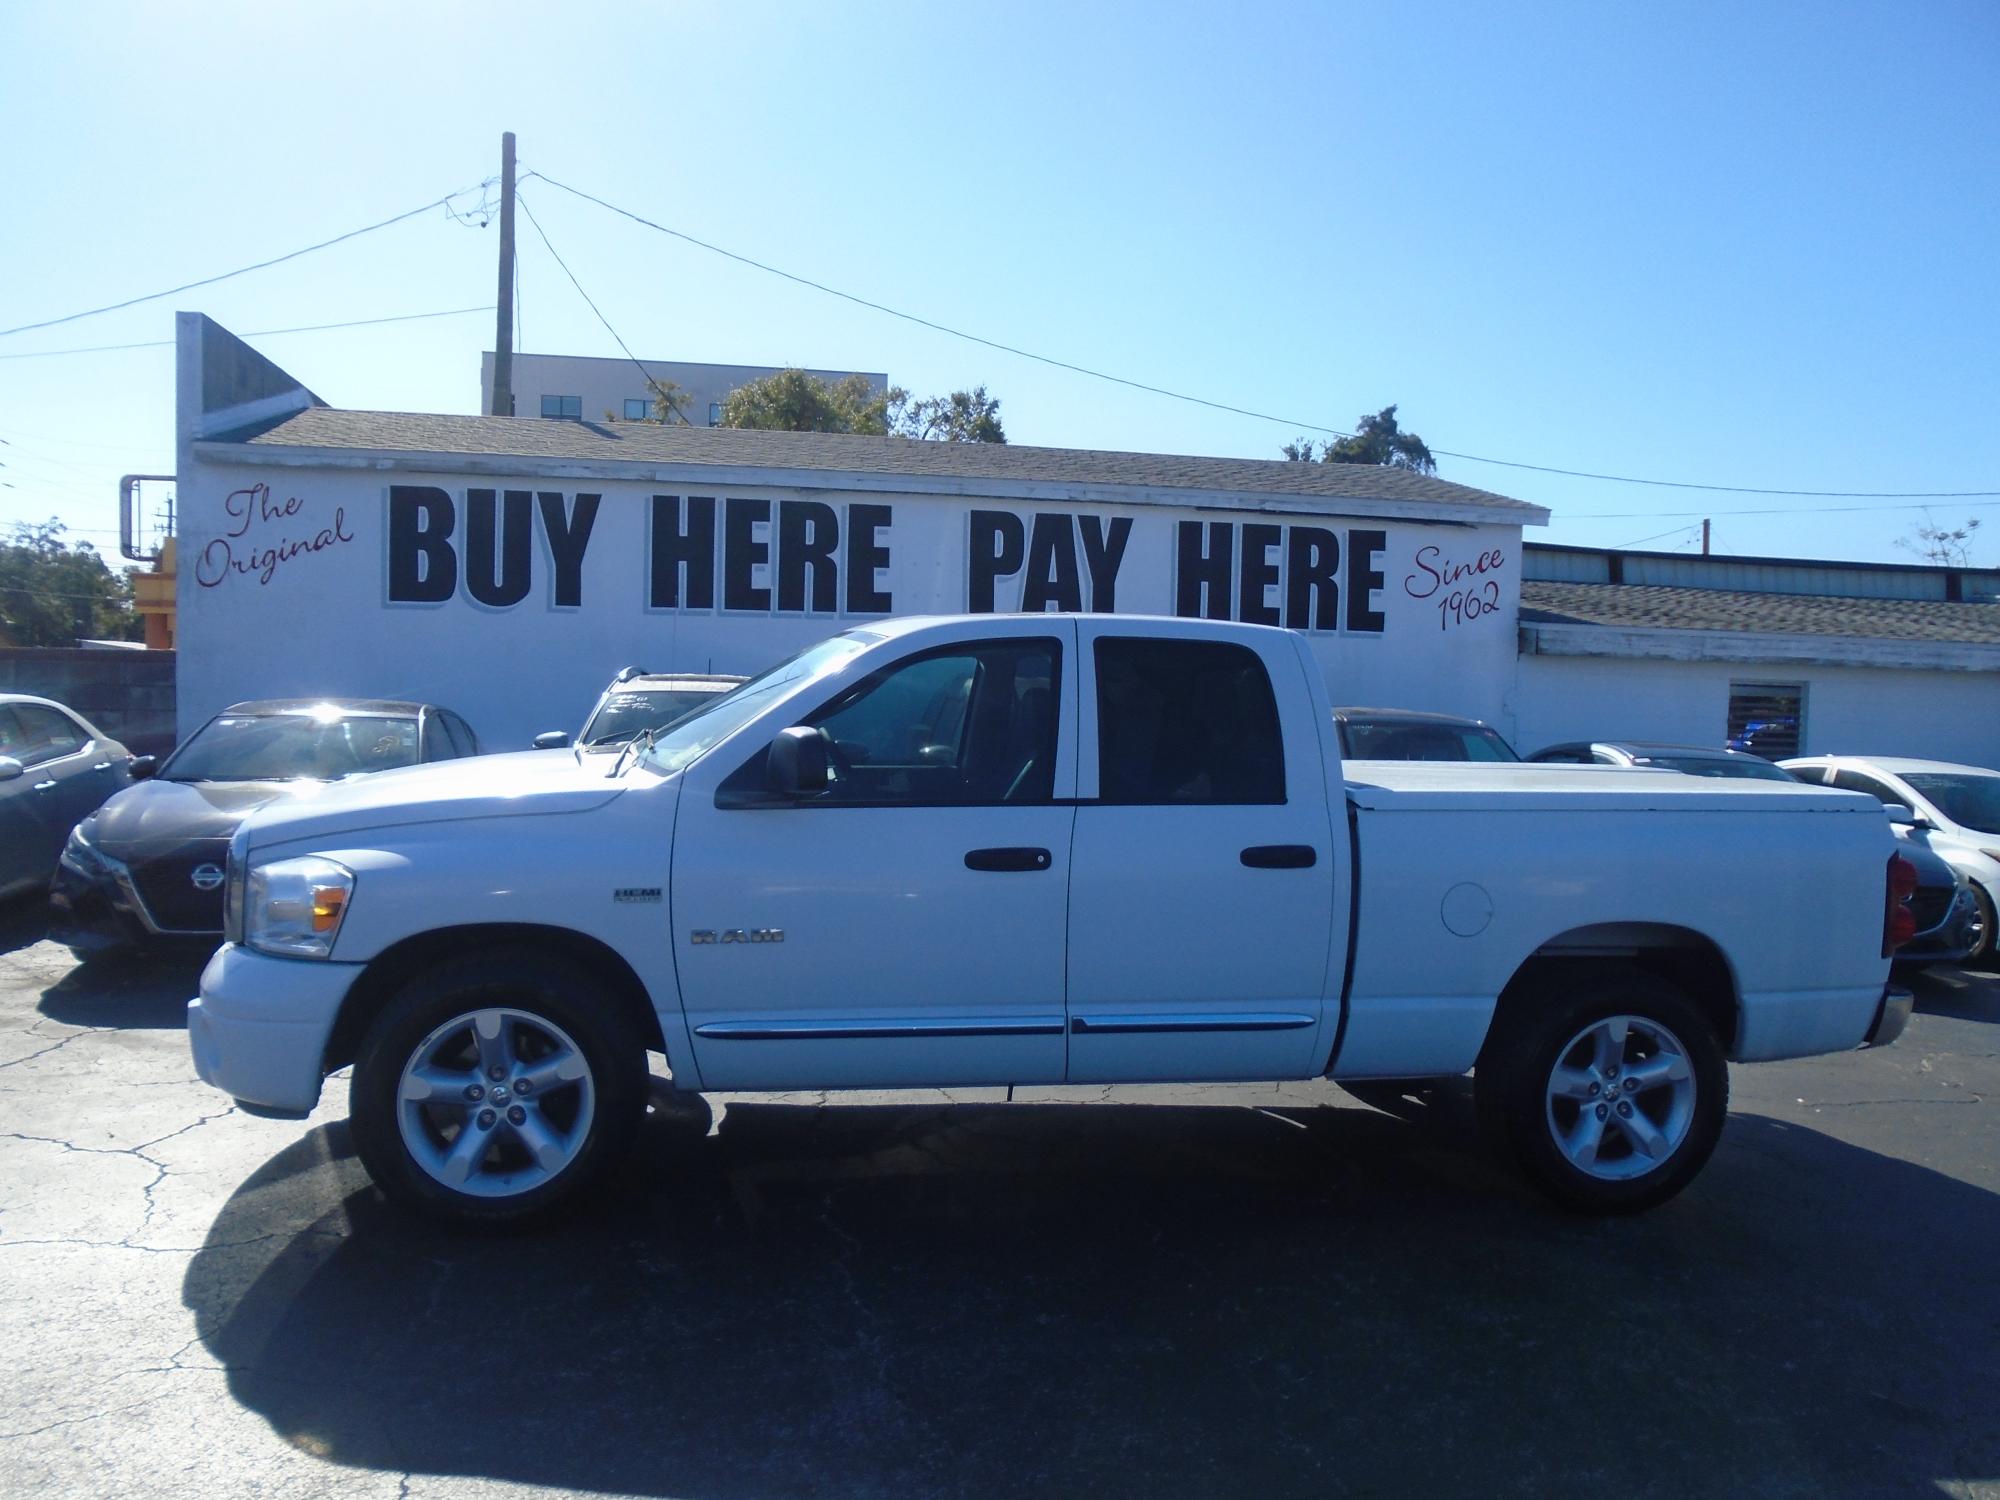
[[588, 388]]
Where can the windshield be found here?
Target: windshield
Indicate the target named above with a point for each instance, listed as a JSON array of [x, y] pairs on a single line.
[[1702, 765], [694, 733], [294, 747], [1969, 798], [1405, 739], [627, 711]]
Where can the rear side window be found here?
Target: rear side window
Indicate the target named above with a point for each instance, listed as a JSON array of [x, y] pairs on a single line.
[[1186, 722], [1854, 781]]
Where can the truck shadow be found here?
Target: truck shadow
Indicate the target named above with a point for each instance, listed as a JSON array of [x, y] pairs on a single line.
[[1125, 1300]]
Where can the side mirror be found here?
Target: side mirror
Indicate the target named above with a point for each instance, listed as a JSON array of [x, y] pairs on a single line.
[[797, 764], [10, 768], [143, 767], [554, 739], [1901, 816]]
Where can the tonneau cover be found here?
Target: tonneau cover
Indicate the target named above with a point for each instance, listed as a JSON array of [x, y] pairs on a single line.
[[1415, 786]]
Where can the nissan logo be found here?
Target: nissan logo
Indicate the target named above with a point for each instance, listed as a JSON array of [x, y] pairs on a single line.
[[207, 877]]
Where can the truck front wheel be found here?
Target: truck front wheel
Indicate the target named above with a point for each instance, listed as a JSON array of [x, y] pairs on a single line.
[[1609, 1094], [495, 1085]]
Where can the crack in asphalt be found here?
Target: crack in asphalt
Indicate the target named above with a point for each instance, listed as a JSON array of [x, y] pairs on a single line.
[[147, 1190], [54, 1046], [95, 1416]]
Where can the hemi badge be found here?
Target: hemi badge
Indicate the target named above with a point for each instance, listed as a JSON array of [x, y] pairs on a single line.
[[636, 893]]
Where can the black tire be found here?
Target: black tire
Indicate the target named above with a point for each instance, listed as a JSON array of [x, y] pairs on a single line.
[[1982, 957], [1553, 1022], [547, 1005]]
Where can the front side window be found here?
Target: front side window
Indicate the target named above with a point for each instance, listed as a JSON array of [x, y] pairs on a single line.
[[1881, 791], [969, 725], [1186, 722], [41, 734]]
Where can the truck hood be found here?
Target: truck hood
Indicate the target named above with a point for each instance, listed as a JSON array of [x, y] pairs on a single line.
[[529, 782]]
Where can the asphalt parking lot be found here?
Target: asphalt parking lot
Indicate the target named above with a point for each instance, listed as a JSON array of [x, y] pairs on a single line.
[[1157, 1292]]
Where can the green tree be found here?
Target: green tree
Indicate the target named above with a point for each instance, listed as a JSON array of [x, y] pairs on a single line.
[[670, 399], [1377, 440], [962, 417], [52, 594], [793, 401]]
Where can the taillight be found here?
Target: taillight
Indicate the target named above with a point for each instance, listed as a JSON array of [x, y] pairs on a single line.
[[1899, 923]]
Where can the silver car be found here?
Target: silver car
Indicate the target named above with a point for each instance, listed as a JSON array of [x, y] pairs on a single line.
[[56, 768], [1953, 809]]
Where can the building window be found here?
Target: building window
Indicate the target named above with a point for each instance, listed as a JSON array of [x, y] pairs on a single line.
[[638, 411], [1767, 718], [715, 413], [563, 406]]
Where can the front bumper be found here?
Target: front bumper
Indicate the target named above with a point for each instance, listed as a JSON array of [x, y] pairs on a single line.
[[260, 1026], [1952, 939], [97, 907], [1891, 1016]]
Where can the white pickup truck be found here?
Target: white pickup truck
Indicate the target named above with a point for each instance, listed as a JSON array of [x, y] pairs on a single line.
[[1034, 849]]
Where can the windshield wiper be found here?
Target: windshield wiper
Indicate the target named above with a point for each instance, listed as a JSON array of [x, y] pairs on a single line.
[[635, 747]]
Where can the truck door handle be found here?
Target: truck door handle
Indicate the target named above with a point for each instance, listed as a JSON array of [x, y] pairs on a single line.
[[1280, 856], [1001, 861]]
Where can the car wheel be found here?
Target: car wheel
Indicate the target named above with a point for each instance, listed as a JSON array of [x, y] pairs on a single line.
[[1982, 954], [1608, 1093], [494, 1086]]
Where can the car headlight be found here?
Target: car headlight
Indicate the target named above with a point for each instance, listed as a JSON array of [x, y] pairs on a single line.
[[293, 907], [80, 854]]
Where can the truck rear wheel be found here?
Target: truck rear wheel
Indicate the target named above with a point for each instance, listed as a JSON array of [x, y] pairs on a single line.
[[494, 1086], [1609, 1093]]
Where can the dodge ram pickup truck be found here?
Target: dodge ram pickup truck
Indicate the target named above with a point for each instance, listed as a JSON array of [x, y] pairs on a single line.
[[1034, 849]]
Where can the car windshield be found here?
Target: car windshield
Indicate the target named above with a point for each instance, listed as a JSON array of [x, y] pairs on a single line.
[[1970, 799], [695, 733], [318, 746], [1701, 765], [1404, 739], [628, 711]]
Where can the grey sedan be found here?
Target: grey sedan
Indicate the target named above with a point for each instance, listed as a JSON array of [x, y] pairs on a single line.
[[56, 768]]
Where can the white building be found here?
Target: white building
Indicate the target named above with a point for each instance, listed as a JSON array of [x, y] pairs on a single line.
[[1862, 658], [590, 389], [507, 567]]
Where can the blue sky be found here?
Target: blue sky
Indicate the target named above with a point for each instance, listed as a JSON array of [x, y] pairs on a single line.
[[1745, 245]]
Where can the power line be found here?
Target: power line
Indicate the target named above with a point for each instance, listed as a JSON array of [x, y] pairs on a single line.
[[1621, 546], [1823, 510], [444, 202], [651, 384], [1241, 411], [261, 333]]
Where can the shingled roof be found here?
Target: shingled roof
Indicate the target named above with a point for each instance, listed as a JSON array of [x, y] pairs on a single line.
[[1652, 607], [962, 464]]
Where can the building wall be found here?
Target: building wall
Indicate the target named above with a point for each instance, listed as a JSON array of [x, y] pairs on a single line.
[[605, 385], [1848, 710], [339, 581]]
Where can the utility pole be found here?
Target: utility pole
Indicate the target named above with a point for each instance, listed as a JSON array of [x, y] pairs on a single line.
[[1704, 536], [503, 305]]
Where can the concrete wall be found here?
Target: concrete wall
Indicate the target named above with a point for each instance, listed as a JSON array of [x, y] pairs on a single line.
[[127, 694], [1848, 710]]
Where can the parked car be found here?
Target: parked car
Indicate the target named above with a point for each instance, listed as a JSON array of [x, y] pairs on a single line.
[[917, 855], [1693, 760], [636, 701], [1949, 925], [55, 767], [147, 866], [1407, 734], [1955, 811]]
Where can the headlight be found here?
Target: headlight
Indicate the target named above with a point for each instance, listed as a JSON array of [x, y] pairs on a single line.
[[79, 854], [294, 907], [237, 867]]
